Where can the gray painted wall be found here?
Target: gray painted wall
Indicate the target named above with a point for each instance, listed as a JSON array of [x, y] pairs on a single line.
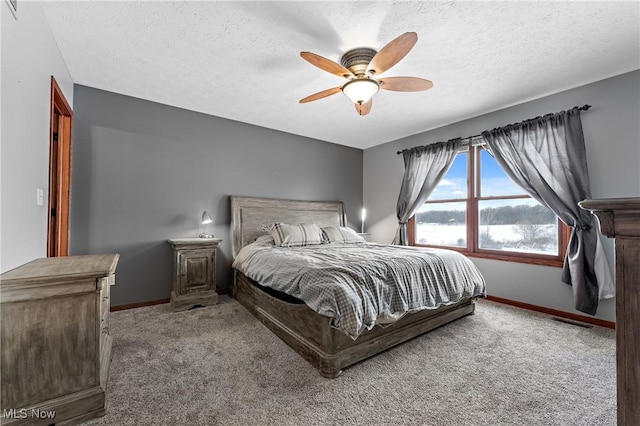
[[143, 173], [612, 137], [30, 57]]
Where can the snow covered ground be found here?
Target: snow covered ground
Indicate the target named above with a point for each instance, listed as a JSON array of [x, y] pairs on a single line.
[[502, 237]]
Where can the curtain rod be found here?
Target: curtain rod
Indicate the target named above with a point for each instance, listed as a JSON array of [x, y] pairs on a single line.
[[584, 107]]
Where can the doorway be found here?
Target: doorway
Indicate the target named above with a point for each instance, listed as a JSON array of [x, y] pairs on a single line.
[[59, 173]]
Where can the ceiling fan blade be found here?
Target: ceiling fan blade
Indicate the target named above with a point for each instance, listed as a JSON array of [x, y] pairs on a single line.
[[405, 84], [320, 95], [392, 53], [326, 64], [363, 109]]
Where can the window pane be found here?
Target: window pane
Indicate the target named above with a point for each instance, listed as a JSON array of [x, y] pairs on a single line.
[[442, 224], [520, 225], [454, 183], [493, 180]]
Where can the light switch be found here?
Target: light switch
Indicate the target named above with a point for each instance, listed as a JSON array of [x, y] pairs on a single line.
[[39, 197]]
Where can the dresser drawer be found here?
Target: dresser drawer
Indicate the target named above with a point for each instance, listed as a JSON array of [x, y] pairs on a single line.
[[105, 305]]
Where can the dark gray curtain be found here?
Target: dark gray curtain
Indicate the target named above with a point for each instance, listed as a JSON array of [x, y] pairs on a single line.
[[546, 157], [424, 167]]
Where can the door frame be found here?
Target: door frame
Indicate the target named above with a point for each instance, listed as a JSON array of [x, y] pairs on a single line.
[[59, 172]]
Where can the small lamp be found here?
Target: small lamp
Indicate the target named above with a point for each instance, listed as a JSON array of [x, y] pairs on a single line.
[[206, 218], [363, 215]]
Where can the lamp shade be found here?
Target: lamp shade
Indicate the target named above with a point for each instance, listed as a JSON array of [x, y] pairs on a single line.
[[206, 218], [360, 90]]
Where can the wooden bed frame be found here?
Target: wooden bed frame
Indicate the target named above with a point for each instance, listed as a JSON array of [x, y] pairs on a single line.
[[307, 332]]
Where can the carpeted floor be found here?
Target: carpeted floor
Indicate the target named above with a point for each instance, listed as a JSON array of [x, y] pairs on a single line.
[[220, 366]]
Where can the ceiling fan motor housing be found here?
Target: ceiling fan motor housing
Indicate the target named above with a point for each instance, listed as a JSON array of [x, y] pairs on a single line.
[[357, 60]]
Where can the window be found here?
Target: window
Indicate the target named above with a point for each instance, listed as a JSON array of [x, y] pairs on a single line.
[[478, 210]]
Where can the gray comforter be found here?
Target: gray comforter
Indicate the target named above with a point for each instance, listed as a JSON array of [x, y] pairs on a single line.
[[359, 285]]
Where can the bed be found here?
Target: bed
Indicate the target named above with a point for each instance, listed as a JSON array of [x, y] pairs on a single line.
[[309, 333]]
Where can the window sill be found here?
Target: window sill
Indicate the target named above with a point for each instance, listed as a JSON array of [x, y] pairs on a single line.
[[505, 258], [530, 260]]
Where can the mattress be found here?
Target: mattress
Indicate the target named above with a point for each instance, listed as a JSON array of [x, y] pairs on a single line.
[[362, 285]]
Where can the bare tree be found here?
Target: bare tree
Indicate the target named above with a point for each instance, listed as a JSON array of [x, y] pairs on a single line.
[[532, 234], [488, 218]]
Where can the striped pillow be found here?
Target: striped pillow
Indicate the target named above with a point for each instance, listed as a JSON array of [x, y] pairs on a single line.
[[342, 235], [296, 234]]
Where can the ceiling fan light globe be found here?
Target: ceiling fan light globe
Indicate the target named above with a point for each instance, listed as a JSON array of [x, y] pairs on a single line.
[[361, 90]]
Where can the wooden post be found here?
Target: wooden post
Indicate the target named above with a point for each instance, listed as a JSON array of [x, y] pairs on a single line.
[[620, 219]]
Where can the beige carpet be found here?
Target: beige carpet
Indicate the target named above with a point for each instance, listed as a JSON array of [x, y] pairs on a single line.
[[220, 366]]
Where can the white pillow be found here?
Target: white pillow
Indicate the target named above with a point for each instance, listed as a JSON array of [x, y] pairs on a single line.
[[265, 239], [296, 234], [342, 235]]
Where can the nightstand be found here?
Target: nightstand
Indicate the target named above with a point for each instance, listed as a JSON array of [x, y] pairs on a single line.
[[194, 272]]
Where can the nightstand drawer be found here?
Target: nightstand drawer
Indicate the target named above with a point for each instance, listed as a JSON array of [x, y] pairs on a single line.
[[197, 270]]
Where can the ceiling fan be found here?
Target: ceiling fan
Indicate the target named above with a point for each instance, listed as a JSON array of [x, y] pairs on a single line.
[[360, 66]]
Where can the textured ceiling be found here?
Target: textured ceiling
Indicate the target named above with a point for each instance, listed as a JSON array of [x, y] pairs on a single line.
[[240, 60]]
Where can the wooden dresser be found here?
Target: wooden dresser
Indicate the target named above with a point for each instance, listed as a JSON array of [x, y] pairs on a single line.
[[56, 346], [620, 218]]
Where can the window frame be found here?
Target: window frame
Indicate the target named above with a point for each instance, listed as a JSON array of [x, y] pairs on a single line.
[[472, 217]]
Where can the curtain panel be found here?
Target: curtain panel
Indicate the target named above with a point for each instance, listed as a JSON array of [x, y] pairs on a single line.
[[546, 157], [424, 168]]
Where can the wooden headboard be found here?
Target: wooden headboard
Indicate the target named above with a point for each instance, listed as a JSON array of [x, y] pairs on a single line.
[[249, 214]]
